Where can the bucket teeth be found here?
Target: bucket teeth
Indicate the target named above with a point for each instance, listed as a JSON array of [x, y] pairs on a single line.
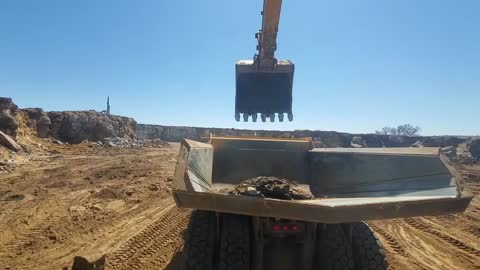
[[263, 116], [290, 116]]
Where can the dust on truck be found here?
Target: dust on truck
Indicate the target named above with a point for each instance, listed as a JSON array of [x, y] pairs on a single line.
[[350, 186]]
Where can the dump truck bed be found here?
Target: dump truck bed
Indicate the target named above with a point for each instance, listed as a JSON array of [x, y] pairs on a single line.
[[349, 184]]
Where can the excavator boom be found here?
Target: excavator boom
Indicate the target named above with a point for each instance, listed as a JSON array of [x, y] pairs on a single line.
[[264, 84]]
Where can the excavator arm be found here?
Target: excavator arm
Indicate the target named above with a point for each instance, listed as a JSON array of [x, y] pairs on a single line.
[[264, 84], [267, 36]]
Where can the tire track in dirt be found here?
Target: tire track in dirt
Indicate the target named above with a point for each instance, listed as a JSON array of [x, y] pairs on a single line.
[[173, 243], [473, 230], [391, 241], [146, 246], [455, 242]]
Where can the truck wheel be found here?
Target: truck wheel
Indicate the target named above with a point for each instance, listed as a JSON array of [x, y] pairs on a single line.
[[333, 249], [235, 236], [200, 240], [368, 252]]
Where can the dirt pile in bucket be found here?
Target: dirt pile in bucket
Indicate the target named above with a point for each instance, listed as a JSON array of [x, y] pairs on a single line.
[[272, 187]]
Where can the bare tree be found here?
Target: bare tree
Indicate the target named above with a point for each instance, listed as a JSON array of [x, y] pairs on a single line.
[[402, 130]]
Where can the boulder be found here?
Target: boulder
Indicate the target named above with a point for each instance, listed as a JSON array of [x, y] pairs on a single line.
[[39, 121], [43, 126], [417, 144], [8, 142], [358, 142], [8, 111]]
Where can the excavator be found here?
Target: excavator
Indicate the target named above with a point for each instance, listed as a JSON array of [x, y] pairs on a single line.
[[264, 84]]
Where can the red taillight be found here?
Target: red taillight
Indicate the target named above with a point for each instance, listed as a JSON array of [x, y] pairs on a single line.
[[286, 228]]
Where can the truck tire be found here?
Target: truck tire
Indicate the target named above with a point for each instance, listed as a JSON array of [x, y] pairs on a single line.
[[333, 249], [368, 252], [200, 240], [234, 253]]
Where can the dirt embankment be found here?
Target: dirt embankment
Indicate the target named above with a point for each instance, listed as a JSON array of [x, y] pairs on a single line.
[[76, 126]]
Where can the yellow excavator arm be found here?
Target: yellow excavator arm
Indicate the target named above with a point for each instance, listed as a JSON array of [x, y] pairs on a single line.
[[267, 36], [264, 84]]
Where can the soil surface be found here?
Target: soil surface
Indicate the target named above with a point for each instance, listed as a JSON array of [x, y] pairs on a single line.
[[64, 201]]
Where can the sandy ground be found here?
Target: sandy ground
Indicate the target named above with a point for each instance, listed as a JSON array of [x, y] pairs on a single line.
[[89, 201]]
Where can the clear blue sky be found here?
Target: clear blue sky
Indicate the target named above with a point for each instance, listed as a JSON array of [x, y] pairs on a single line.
[[360, 65]]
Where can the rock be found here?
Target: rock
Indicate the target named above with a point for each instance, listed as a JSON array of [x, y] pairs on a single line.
[[450, 152], [39, 121], [474, 147], [468, 152], [251, 191], [318, 143], [417, 144], [43, 126], [55, 141], [8, 110], [8, 142], [358, 142]]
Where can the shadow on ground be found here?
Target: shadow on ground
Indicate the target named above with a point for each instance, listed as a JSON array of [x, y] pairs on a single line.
[[177, 262]]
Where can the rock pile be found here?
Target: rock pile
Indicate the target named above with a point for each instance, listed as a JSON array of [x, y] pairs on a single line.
[[128, 142], [271, 187], [468, 152], [77, 126]]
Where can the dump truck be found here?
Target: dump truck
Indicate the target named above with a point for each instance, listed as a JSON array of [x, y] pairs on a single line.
[[350, 186]]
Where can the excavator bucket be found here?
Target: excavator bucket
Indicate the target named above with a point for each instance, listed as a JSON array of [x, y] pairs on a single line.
[[264, 92]]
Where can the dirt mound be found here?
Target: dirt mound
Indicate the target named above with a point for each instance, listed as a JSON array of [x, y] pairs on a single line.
[[272, 187]]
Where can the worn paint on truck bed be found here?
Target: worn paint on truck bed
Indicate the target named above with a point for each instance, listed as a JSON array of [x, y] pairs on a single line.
[[349, 184]]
